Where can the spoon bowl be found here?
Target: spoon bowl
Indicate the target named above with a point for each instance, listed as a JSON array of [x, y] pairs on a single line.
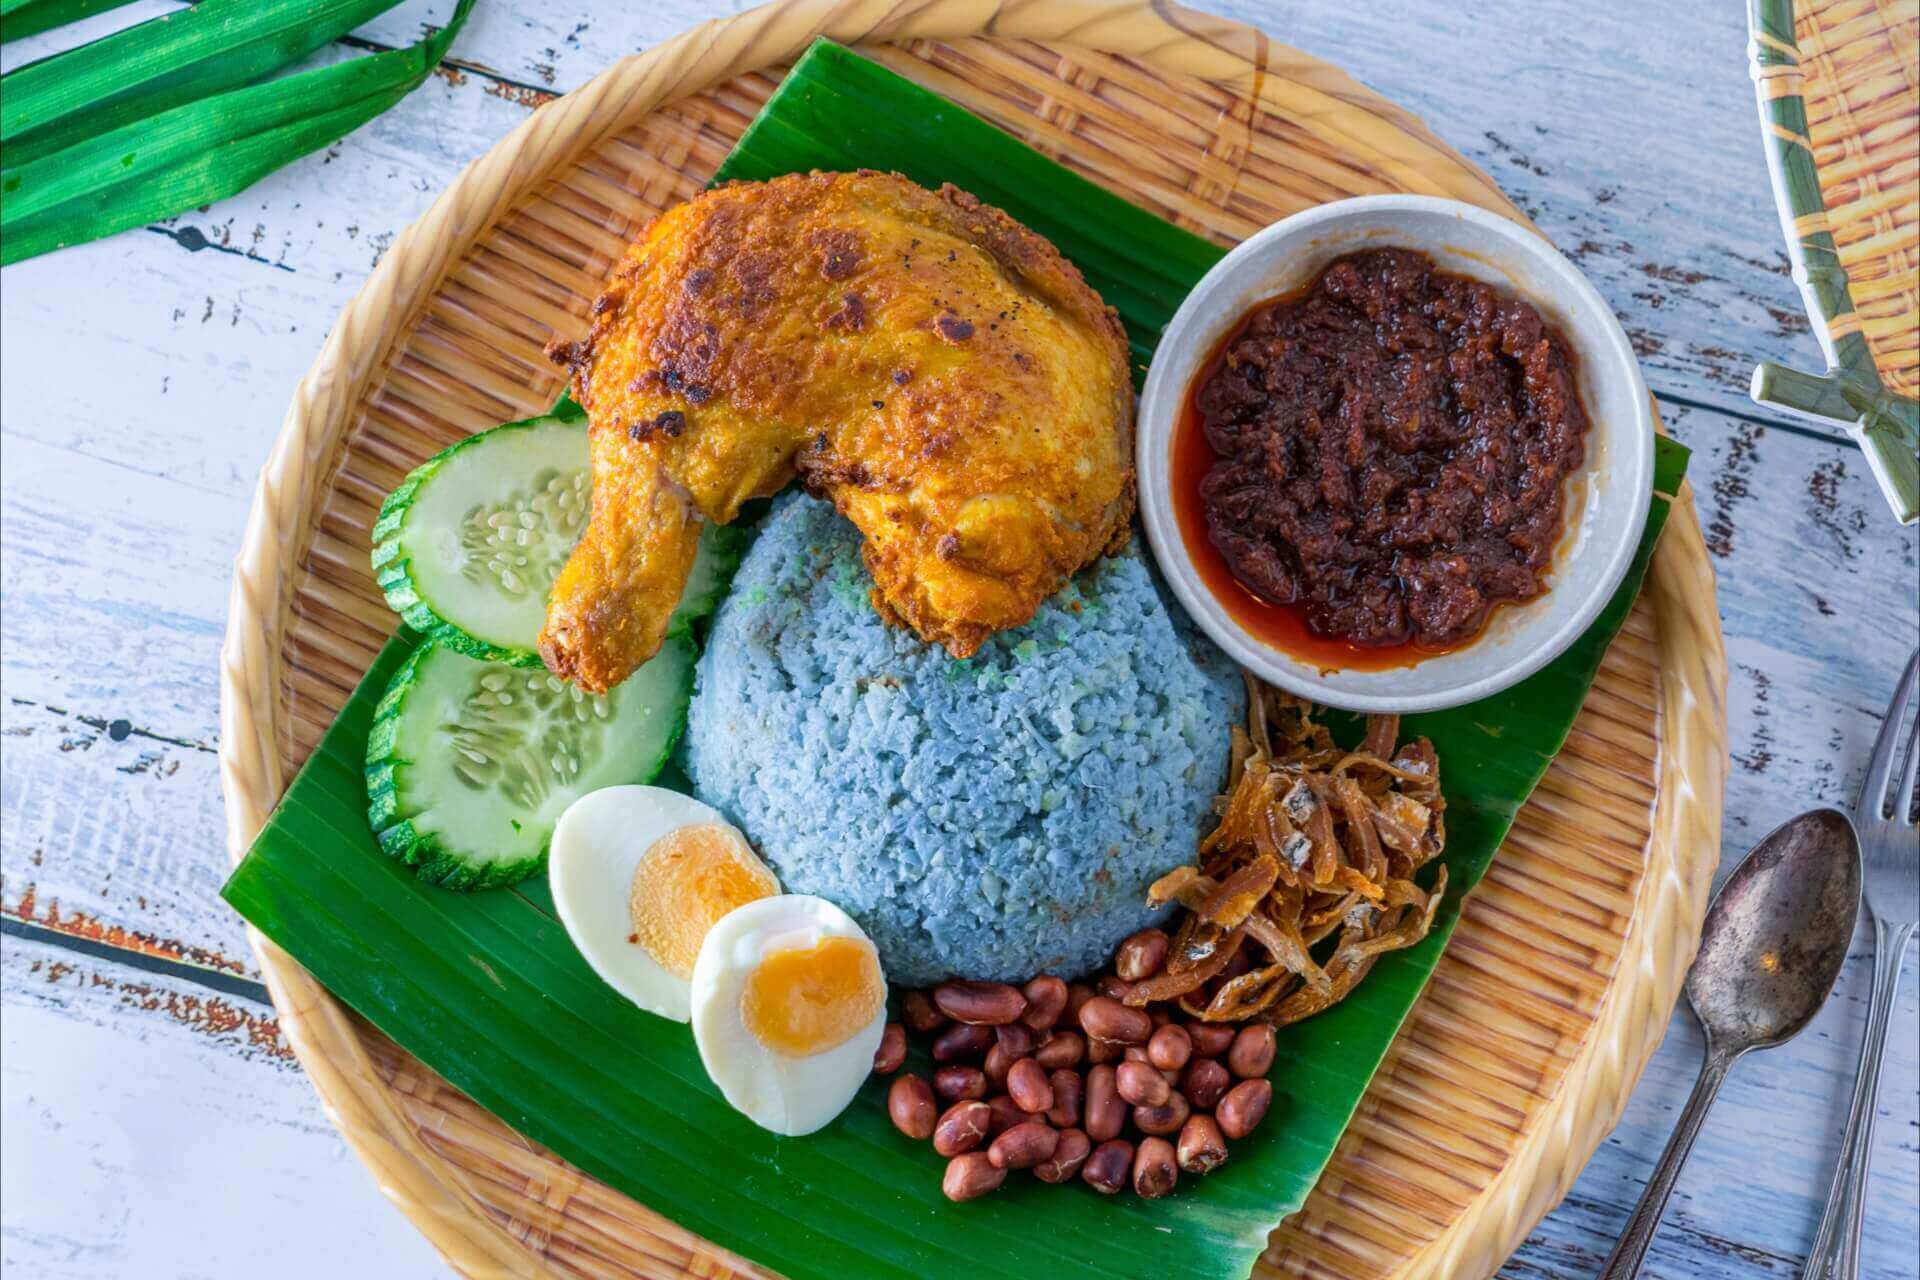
[[1777, 933], [1775, 937]]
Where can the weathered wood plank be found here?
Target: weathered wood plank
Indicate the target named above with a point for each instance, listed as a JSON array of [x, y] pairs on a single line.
[[209, 1159], [124, 497], [1639, 157], [1787, 520], [1751, 1196]]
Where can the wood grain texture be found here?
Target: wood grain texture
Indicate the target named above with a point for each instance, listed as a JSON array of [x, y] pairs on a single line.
[[132, 429], [207, 1161]]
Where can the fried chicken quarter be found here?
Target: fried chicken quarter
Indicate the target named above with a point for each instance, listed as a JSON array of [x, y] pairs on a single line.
[[931, 366]]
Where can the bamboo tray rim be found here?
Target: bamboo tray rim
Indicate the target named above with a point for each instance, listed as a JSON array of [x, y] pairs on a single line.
[[330, 1042]]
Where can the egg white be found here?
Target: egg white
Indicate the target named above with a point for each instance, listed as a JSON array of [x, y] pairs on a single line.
[[787, 1095], [596, 847]]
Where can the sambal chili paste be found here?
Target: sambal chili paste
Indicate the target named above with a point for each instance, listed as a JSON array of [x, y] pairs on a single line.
[[1390, 448]]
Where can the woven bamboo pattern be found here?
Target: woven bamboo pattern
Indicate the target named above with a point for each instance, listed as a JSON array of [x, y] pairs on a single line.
[[1860, 63], [1839, 95], [1568, 959]]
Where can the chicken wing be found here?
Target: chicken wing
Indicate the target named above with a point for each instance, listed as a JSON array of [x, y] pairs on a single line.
[[934, 368]]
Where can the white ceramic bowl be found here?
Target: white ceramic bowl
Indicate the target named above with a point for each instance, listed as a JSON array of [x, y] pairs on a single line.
[[1607, 498]]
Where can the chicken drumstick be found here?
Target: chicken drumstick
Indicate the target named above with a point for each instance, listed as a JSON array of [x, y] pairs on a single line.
[[930, 365]]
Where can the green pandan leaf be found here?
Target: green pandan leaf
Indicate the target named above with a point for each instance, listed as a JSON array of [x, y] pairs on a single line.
[[111, 136], [22, 18]]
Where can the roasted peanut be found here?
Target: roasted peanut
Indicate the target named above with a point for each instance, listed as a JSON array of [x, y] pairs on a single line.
[[1078, 994], [1140, 955], [1068, 1155], [1141, 1084], [1205, 1082], [892, 1051], [1244, 1107], [918, 1012], [1104, 1018], [1016, 1038], [962, 1128], [910, 1106], [998, 1063], [1006, 1114], [957, 1083], [1210, 1039], [1170, 1047], [1069, 1091], [1046, 1001], [1165, 1119], [1071, 1068], [1029, 1087], [1107, 1166], [1201, 1148], [1025, 1145], [1106, 1113], [987, 1004], [1252, 1053], [1154, 1170], [1061, 1049], [971, 1176], [961, 1041]]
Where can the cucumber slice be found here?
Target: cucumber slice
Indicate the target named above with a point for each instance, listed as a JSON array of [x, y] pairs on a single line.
[[470, 764], [468, 545]]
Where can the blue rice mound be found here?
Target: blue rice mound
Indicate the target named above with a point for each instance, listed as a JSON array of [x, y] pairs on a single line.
[[992, 818]]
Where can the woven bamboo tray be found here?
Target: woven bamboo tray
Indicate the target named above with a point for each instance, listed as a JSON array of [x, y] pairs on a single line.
[[1860, 65], [1838, 83], [1559, 983]]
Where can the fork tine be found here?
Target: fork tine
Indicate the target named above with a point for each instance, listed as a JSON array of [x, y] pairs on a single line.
[[1873, 788], [1903, 796]]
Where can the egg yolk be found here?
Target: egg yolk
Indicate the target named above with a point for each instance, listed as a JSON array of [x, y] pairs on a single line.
[[806, 1000], [686, 880]]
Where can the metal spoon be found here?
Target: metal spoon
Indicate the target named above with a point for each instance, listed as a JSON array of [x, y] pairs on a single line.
[[1775, 937]]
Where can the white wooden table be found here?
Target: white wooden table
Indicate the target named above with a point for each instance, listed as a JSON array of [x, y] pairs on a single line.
[[154, 1122]]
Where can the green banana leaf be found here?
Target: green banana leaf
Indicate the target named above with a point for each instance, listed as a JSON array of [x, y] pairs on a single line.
[[487, 990]]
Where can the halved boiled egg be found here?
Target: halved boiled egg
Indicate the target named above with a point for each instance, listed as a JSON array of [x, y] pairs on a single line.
[[639, 875], [788, 1006]]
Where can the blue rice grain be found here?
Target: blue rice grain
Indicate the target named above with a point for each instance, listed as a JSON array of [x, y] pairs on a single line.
[[990, 818]]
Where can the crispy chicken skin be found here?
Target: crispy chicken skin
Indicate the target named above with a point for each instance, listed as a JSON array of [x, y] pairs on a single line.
[[934, 368]]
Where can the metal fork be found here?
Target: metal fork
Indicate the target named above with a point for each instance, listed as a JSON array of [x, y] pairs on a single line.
[[1890, 845]]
